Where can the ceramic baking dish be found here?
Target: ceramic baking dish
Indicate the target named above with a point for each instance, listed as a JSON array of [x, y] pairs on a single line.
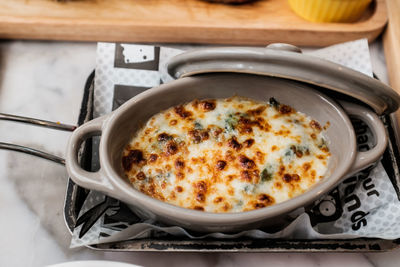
[[279, 71]]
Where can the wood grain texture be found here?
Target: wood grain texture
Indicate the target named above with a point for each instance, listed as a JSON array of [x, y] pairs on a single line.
[[391, 41], [391, 45], [178, 21]]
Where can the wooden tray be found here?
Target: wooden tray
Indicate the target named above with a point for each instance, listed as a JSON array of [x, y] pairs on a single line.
[[178, 21], [391, 44]]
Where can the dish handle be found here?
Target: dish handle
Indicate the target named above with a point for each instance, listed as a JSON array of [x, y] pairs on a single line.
[[366, 158], [87, 179]]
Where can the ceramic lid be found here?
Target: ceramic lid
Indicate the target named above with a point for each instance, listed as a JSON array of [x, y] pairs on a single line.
[[287, 61]]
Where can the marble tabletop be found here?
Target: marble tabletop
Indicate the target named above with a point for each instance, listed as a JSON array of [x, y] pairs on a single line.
[[45, 80]]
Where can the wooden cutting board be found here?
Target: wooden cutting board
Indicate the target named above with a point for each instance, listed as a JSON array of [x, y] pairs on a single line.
[[178, 21]]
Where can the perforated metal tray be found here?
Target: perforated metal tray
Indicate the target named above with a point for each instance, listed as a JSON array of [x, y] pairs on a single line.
[[76, 195]]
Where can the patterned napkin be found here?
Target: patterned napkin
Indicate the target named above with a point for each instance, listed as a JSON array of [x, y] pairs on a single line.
[[364, 205]]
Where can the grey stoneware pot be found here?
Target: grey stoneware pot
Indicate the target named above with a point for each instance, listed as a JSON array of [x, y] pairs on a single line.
[[117, 128]]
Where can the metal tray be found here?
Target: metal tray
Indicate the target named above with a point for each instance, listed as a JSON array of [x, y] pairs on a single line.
[[76, 195]]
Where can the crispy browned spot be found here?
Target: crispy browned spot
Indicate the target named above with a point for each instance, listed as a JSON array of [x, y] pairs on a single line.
[[182, 144], [248, 142], [200, 197], [180, 110], [313, 136], [315, 125], [230, 178], [226, 206], [258, 205], [244, 128], [200, 190], [179, 189], [142, 188], [173, 122], [296, 177], [229, 156], [246, 163], [267, 126], [171, 148], [153, 157], [326, 126], [313, 173], [134, 157], [162, 137], [297, 152], [198, 136], [195, 103], [244, 121], [231, 192], [257, 122], [325, 149], [284, 132], [200, 208], [221, 164], [290, 177], [179, 164], [207, 105], [172, 195], [265, 199], [256, 111], [260, 156], [141, 176], [281, 169], [256, 176], [217, 131], [218, 200], [160, 197], [204, 135], [233, 143], [246, 175], [273, 148], [306, 166], [152, 189], [245, 124], [287, 178], [180, 176], [201, 186], [247, 129], [285, 109]]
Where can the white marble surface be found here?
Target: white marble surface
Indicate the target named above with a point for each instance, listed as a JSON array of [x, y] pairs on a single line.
[[45, 80]]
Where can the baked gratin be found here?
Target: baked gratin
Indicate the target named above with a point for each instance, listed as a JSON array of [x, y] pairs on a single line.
[[226, 155]]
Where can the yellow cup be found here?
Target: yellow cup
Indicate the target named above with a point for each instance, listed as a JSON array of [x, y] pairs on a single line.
[[329, 10]]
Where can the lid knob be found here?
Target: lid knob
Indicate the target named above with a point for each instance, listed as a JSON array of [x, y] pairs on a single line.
[[284, 47]]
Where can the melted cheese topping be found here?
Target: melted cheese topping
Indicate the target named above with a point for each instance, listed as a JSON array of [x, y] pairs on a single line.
[[226, 155]]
